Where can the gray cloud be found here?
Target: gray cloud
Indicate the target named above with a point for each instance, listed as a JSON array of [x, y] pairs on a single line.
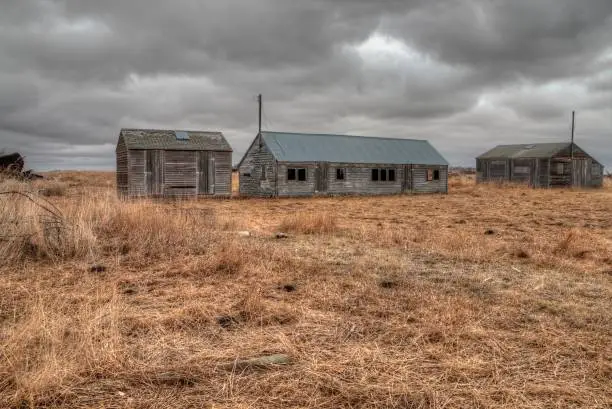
[[466, 74]]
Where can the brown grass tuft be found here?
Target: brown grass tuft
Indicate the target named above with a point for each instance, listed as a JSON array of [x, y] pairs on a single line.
[[309, 223], [54, 189]]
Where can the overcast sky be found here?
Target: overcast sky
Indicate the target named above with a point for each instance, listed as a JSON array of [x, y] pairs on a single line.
[[465, 74]]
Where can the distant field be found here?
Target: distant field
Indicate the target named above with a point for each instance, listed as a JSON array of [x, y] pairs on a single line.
[[488, 297]]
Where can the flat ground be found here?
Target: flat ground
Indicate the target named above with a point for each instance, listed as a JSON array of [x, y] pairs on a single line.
[[489, 297]]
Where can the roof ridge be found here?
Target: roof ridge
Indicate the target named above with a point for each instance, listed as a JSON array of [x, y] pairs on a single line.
[[168, 130], [346, 135], [536, 144]]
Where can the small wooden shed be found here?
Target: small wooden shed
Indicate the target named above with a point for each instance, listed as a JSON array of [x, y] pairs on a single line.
[[297, 164], [540, 165], [163, 163]]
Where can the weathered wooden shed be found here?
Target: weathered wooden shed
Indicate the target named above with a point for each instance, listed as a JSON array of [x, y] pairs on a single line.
[[162, 163], [540, 165], [297, 164]]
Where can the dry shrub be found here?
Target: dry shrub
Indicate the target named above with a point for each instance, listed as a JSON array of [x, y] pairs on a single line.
[[54, 189], [229, 258], [309, 223], [581, 244], [148, 229], [31, 227]]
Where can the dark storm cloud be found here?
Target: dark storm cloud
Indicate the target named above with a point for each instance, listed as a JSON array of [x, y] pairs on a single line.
[[466, 74]]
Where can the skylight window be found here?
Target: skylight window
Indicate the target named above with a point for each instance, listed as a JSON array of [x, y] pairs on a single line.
[[181, 135]]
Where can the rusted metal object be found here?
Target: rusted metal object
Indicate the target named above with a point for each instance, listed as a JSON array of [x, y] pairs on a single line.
[[12, 164]]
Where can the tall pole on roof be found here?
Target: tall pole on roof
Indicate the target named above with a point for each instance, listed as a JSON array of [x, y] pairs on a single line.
[[259, 100], [572, 147], [573, 128]]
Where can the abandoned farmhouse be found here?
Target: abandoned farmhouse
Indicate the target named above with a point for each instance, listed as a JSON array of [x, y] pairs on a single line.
[[162, 163], [540, 165], [296, 164]]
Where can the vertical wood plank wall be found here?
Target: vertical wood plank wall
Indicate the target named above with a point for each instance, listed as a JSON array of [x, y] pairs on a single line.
[[173, 173], [136, 173], [121, 155], [222, 175], [557, 171]]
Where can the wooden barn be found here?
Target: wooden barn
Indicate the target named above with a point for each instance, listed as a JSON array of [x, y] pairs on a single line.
[[161, 163], [297, 164], [540, 165]]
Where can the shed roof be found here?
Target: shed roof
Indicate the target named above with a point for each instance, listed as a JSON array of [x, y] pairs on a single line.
[[168, 140], [536, 150], [302, 147]]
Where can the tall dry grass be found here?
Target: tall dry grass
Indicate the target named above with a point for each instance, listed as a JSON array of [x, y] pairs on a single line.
[[489, 297], [90, 227]]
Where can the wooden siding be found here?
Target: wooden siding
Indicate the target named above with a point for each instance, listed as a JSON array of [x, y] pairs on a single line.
[[173, 173], [358, 180], [558, 171], [420, 184], [136, 173], [543, 174], [257, 172], [121, 155], [222, 175], [523, 171], [582, 171], [180, 173], [205, 187], [154, 172], [597, 174]]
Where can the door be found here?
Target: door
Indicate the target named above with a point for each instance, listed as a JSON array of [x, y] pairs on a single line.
[[154, 172], [206, 173], [322, 176], [180, 173], [407, 182]]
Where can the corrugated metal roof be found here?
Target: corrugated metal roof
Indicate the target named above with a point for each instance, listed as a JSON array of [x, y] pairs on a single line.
[[302, 147], [536, 150], [168, 140]]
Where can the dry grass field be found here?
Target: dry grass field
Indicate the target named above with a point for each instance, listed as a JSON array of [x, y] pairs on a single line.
[[488, 297]]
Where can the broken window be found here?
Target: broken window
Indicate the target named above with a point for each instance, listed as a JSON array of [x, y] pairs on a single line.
[[429, 175], [436, 174], [383, 175], [339, 174], [263, 172], [302, 174], [296, 174]]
